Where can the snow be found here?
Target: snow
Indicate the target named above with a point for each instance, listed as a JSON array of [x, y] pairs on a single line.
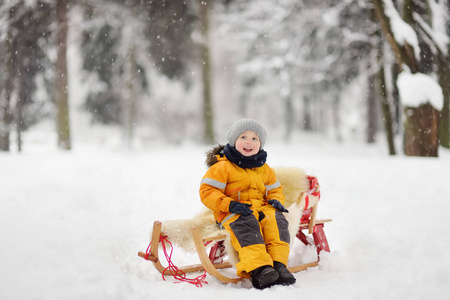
[[416, 89], [439, 21], [71, 223]]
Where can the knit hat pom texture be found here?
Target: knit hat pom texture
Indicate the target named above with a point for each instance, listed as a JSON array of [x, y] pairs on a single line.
[[244, 125]]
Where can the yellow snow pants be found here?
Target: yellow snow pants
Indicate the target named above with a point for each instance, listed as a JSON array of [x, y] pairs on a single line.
[[260, 238]]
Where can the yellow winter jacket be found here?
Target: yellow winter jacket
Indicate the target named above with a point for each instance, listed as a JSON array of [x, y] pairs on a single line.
[[225, 182]]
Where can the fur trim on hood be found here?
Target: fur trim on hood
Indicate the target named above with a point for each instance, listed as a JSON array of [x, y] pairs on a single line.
[[211, 157]]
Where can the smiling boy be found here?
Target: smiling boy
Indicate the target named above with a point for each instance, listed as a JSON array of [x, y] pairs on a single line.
[[247, 200]]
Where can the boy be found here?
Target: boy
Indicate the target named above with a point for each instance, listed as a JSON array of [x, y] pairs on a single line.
[[247, 200]]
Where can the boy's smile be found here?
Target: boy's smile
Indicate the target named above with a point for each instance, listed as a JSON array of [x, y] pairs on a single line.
[[248, 143]]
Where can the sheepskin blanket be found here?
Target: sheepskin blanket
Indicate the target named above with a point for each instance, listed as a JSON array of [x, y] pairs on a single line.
[[294, 182]]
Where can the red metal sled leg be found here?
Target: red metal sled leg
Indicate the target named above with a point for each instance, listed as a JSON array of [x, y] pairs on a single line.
[[320, 239], [217, 252], [302, 237]]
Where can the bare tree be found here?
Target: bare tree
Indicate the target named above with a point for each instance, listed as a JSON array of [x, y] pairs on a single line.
[[421, 126], [205, 60], [431, 31], [130, 105], [61, 93], [25, 37], [371, 111], [5, 100], [386, 111]]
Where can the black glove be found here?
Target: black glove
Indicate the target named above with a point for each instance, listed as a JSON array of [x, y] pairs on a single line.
[[277, 204], [240, 208]]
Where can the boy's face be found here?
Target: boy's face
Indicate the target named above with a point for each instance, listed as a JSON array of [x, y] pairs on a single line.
[[248, 143]]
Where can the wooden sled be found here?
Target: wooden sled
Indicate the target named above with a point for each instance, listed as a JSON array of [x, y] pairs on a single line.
[[214, 261]]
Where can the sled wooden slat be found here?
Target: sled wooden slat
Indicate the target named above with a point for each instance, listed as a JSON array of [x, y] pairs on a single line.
[[304, 225], [298, 268], [154, 247], [215, 238], [147, 257], [199, 267], [312, 221]]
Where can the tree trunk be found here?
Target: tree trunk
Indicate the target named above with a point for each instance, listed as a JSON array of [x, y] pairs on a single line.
[[386, 112], [289, 117], [4, 124], [335, 108], [307, 119], [397, 110], [206, 73], [62, 97], [443, 72], [386, 28], [289, 108], [421, 134], [130, 105], [372, 115], [444, 82], [421, 131], [20, 105], [5, 103]]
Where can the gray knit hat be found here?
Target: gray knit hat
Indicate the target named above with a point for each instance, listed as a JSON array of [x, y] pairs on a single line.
[[244, 125]]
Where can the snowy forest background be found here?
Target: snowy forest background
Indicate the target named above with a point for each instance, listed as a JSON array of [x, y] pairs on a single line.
[[177, 71], [107, 108]]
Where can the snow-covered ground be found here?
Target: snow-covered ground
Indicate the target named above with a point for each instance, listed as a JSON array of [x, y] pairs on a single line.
[[71, 224]]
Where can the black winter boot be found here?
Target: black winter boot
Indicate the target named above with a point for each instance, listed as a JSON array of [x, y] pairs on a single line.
[[285, 277], [264, 277]]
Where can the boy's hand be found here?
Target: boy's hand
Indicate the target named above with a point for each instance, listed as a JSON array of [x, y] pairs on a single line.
[[240, 208], [277, 204]]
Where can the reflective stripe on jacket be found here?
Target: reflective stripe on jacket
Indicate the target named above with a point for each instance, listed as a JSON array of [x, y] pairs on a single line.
[[225, 182]]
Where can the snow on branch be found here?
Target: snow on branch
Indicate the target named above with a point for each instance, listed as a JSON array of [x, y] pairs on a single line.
[[417, 89], [440, 17], [437, 32], [437, 41], [403, 33]]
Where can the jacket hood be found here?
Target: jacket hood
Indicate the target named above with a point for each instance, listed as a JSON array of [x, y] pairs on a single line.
[[211, 155]]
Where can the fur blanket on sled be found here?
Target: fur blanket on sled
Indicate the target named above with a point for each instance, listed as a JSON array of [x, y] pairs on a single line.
[[294, 181]]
